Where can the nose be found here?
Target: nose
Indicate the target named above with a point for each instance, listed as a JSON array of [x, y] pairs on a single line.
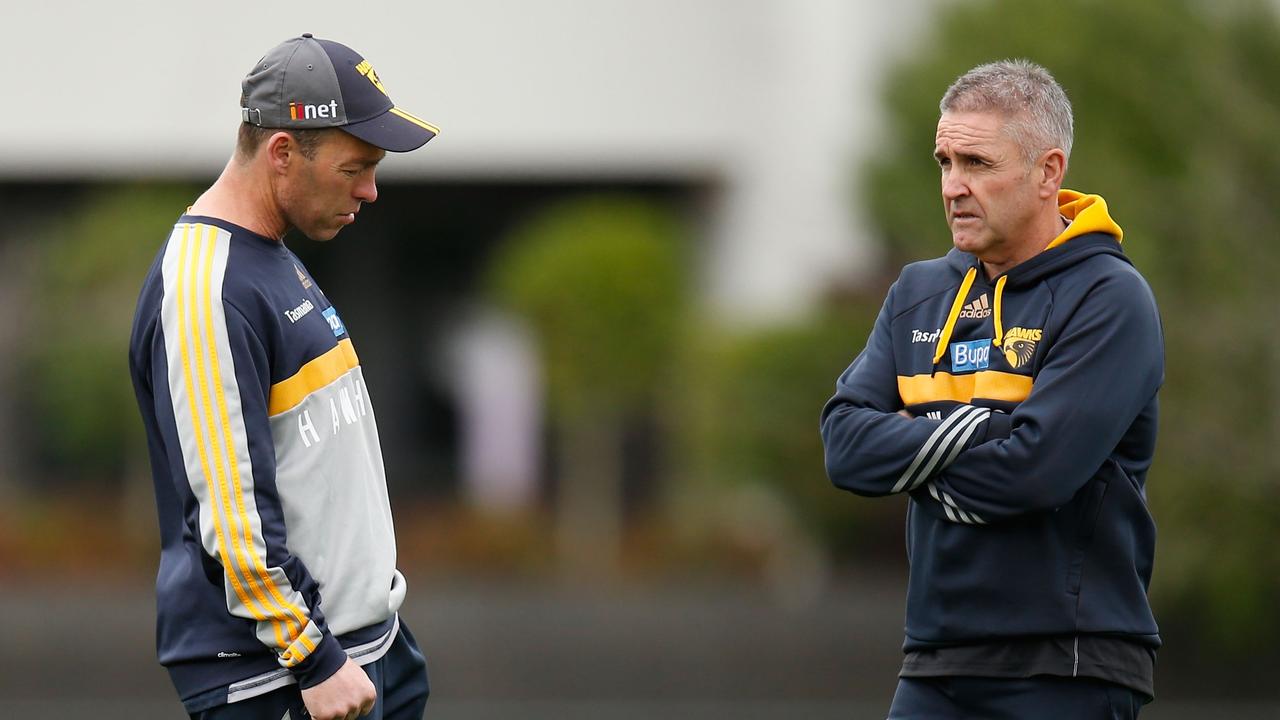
[[367, 189], [954, 185]]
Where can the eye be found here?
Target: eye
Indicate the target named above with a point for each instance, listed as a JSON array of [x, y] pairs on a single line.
[[943, 163], [348, 173], [976, 162]]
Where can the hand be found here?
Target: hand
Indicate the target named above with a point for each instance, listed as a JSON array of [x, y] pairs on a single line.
[[346, 695]]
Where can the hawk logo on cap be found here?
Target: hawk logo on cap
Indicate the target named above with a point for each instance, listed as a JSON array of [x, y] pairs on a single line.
[[365, 69]]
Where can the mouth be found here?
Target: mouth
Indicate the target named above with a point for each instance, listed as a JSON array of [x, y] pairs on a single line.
[[347, 218]]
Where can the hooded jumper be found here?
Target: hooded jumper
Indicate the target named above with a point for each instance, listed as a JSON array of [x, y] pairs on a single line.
[[1033, 398], [277, 552]]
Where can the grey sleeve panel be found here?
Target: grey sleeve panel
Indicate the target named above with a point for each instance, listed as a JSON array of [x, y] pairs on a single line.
[[214, 420]]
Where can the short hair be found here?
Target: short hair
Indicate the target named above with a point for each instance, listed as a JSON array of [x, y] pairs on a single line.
[[251, 137], [1035, 106]]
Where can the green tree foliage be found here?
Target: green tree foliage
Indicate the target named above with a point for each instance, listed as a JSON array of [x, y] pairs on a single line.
[[92, 263], [602, 282], [1177, 107], [749, 415]]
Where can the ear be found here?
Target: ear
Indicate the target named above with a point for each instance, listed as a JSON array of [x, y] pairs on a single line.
[[281, 151], [1052, 167]]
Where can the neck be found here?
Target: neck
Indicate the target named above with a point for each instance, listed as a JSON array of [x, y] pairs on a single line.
[[1045, 228], [244, 196]]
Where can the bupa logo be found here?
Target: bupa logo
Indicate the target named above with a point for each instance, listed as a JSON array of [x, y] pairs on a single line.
[[335, 322], [970, 356], [298, 111], [1020, 344]]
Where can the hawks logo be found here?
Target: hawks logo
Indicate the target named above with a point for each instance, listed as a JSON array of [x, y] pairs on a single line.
[[365, 69], [1020, 344]]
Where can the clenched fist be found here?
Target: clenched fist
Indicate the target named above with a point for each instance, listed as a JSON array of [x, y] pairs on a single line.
[[346, 695]]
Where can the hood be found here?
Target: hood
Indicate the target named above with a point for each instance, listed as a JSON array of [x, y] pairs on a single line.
[[1090, 231], [1087, 214]]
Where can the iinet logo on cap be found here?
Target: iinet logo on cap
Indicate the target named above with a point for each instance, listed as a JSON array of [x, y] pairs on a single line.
[[298, 111]]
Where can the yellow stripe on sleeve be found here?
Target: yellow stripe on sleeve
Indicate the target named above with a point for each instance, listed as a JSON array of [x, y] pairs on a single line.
[[218, 444], [317, 373], [300, 650], [261, 579], [189, 374]]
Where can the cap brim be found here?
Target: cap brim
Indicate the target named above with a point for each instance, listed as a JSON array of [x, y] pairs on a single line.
[[394, 131]]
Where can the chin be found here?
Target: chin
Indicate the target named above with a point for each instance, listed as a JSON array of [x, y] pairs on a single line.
[[322, 235], [968, 244]]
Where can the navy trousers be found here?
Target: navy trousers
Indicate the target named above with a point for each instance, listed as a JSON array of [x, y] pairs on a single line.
[[400, 677], [1037, 698]]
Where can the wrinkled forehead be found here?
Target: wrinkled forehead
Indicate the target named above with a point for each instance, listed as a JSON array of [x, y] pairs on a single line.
[[960, 130]]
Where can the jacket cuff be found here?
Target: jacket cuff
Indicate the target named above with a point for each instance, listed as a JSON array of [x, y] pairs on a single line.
[[321, 664], [999, 427]]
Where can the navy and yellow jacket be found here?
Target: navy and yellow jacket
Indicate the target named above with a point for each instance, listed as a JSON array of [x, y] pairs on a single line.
[[277, 557], [1033, 399]]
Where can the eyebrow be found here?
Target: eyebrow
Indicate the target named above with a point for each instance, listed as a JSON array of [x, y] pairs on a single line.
[[362, 164], [962, 154]]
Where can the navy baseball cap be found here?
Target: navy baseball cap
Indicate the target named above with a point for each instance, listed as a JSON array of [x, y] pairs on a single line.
[[306, 83]]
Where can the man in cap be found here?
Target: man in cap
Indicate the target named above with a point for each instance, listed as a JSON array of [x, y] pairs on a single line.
[[277, 587]]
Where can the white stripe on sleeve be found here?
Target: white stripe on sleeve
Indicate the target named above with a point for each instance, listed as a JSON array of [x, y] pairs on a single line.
[[951, 445], [909, 478]]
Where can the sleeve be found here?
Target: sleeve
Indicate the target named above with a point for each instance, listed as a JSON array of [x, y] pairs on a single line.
[[218, 376], [870, 449], [1097, 377]]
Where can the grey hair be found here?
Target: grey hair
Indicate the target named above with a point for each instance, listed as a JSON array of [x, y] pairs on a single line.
[[1036, 107]]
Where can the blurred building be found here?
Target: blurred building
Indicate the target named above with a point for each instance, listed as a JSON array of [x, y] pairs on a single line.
[[770, 101], [752, 114]]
